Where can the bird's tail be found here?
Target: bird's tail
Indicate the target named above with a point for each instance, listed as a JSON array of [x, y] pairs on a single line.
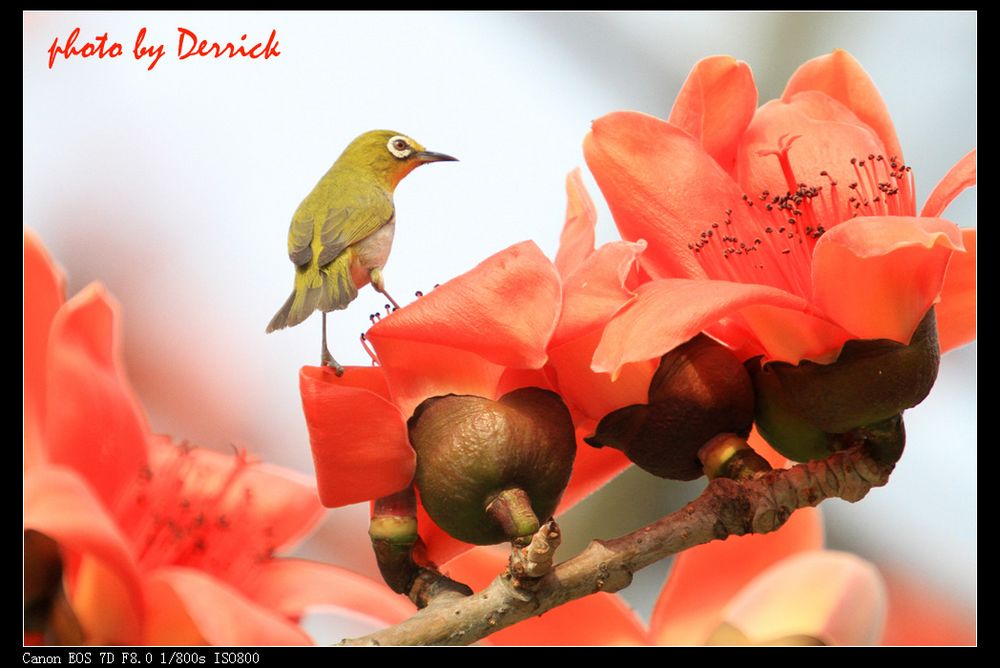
[[338, 284], [331, 288]]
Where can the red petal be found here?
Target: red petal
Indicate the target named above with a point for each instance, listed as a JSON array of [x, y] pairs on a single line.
[[285, 503], [735, 333], [961, 176], [956, 312], [596, 289], [479, 566], [519, 280], [360, 447], [601, 619], [592, 469], [417, 371], [828, 135], [598, 619], [841, 77], [918, 615], [876, 277], [791, 336], [703, 579], [513, 379], [186, 607], [715, 106], [44, 293], [591, 295], [661, 186], [594, 394], [93, 421], [835, 597], [108, 607], [58, 503], [275, 505], [290, 586], [668, 312], [577, 239], [459, 337]]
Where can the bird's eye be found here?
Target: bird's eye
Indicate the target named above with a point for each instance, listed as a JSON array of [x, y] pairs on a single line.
[[399, 147]]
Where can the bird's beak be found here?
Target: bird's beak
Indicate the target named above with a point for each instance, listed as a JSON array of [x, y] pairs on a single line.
[[431, 156]]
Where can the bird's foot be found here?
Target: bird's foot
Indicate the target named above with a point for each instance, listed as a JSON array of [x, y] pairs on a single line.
[[327, 360]]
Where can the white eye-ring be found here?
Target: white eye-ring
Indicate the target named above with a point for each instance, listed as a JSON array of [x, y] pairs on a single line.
[[399, 147]]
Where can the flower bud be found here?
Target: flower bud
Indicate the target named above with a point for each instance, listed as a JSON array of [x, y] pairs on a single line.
[[803, 410], [699, 390], [487, 470]]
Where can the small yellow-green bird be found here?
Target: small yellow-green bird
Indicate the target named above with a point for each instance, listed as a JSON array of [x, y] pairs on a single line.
[[341, 234]]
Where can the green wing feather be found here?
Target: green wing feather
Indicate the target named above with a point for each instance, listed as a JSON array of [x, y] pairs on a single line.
[[300, 236], [322, 252], [346, 225]]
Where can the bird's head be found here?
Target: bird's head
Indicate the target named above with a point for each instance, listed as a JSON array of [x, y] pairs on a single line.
[[391, 155]]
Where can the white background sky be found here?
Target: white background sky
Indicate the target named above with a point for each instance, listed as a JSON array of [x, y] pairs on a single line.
[[175, 187]]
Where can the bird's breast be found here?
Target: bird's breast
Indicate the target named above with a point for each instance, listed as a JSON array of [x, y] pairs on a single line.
[[371, 252]]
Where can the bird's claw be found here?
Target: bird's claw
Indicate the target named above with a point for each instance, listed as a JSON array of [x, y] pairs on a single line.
[[327, 360]]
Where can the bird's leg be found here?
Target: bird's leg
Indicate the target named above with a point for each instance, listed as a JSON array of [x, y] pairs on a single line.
[[326, 359], [378, 282]]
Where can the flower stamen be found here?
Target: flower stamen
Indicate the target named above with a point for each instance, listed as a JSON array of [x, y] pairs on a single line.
[[369, 350], [784, 143], [777, 235], [183, 510]]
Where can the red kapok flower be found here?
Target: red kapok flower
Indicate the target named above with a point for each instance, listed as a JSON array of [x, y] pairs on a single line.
[[160, 543], [491, 330], [483, 333], [784, 231]]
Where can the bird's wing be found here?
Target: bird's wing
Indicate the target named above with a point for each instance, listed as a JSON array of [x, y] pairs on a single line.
[[300, 234], [347, 225]]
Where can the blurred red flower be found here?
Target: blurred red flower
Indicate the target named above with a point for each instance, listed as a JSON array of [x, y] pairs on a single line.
[[160, 543]]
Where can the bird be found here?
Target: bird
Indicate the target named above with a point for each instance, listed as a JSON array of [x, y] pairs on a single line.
[[341, 234]]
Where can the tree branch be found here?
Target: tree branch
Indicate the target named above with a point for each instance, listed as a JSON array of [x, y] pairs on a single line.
[[725, 508]]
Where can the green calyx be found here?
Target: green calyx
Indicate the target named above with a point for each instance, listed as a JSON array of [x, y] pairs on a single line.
[[809, 410], [488, 470], [700, 390], [780, 425]]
